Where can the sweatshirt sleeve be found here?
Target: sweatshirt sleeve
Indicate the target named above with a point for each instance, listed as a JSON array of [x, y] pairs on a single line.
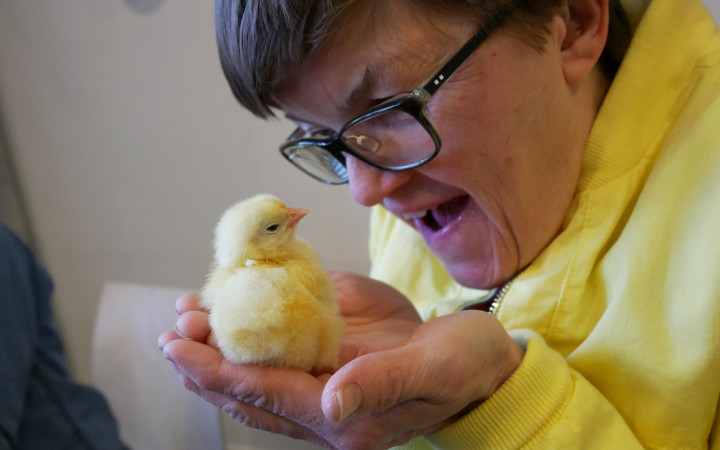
[[544, 403]]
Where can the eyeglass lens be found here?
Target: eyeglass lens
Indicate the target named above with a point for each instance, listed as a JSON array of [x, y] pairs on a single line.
[[318, 162], [392, 139]]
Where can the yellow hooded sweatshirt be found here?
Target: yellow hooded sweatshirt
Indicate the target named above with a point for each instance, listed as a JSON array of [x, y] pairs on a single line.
[[620, 314]]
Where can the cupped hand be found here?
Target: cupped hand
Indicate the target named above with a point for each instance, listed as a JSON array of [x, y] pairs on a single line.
[[399, 379], [378, 317]]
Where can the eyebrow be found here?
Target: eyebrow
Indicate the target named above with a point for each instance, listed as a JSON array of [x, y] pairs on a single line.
[[298, 121], [366, 84], [348, 105]]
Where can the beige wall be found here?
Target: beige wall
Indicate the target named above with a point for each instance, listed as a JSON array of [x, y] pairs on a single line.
[[129, 145]]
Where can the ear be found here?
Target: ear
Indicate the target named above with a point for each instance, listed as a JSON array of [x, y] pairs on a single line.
[[584, 41]]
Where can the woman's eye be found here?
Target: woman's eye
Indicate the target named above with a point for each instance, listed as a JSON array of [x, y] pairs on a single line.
[[321, 133], [379, 101]]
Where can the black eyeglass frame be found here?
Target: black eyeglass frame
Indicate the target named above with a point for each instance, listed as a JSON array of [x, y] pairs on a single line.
[[414, 103]]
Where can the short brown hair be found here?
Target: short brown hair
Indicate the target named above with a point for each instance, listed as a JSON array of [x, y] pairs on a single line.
[[258, 40]]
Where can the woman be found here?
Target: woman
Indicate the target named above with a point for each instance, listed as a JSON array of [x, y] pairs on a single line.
[[586, 198]]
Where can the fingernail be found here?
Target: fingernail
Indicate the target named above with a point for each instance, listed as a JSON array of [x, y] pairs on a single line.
[[177, 330], [349, 399]]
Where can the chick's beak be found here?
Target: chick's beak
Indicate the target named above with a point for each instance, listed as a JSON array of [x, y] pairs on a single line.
[[294, 215]]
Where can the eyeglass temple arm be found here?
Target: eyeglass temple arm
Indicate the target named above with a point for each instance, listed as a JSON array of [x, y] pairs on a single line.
[[446, 71]]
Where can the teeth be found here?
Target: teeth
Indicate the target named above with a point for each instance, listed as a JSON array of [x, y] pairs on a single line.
[[414, 215]]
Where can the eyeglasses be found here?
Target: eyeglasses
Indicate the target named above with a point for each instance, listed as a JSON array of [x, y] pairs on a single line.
[[394, 135]]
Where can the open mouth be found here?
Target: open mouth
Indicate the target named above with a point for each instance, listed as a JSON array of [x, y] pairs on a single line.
[[436, 219]]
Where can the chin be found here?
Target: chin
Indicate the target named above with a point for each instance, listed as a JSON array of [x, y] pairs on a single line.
[[476, 275]]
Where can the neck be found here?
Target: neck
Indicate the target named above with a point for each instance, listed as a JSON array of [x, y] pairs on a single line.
[[597, 86]]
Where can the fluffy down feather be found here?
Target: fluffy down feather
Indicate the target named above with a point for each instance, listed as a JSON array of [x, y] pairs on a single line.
[[269, 298]]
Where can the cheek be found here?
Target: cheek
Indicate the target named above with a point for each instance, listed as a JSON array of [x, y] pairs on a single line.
[[508, 105], [505, 132], [475, 146]]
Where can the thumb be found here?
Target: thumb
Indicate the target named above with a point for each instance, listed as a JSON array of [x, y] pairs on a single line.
[[374, 383]]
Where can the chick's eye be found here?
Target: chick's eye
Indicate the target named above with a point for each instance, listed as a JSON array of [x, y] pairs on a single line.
[[272, 228]]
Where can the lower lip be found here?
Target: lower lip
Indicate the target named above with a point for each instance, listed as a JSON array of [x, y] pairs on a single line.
[[439, 239]]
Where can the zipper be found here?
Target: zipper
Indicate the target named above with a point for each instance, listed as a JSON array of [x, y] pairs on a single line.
[[500, 296], [491, 302]]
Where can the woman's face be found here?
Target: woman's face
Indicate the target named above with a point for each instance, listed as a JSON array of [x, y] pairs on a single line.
[[512, 129]]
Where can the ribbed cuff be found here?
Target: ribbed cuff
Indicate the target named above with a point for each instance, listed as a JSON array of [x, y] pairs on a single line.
[[522, 410]]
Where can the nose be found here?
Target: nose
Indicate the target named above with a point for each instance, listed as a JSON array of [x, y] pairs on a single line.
[[370, 185]]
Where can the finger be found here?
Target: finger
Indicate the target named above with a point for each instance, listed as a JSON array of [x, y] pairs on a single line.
[[286, 401], [381, 381], [450, 362], [379, 389], [248, 414], [189, 302], [261, 419], [182, 351], [212, 340], [285, 391], [193, 325], [337, 275], [370, 383], [167, 337], [350, 350]]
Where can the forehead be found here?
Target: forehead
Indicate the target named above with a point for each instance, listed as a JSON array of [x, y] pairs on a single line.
[[372, 53]]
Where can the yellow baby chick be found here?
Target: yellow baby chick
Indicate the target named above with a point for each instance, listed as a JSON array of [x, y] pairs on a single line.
[[270, 300]]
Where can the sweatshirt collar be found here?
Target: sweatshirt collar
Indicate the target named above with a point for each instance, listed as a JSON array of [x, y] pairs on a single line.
[[643, 98]]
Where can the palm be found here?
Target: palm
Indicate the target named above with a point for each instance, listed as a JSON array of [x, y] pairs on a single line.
[[378, 317]]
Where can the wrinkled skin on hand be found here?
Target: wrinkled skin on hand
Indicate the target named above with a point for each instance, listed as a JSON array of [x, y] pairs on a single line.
[[408, 378]]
